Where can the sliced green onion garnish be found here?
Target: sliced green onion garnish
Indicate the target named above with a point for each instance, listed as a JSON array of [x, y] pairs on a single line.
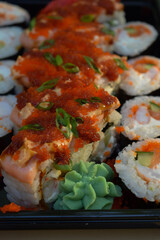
[[48, 56], [148, 66], [91, 64], [71, 68], [96, 87], [48, 85], [131, 30], [35, 127], [95, 99], [57, 61], [63, 168], [32, 24], [87, 18], [66, 120], [55, 17], [108, 31], [82, 101], [79, 120], [120, 63], [45, 106], [47, 44]]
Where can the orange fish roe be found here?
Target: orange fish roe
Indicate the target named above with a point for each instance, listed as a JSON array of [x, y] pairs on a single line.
[[118, 161], [107, 153], [12, 207], [134, 109], [119, 129]]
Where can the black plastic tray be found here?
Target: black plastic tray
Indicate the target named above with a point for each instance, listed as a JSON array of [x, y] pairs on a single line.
[[147, 11]]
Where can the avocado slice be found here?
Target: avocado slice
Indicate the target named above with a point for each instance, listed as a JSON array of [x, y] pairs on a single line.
[[154, 107], [144, 158]]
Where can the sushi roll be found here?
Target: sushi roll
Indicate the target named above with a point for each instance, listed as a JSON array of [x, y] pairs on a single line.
[[142, 76], [134, 37], [50, 137], [6, 80], [12, 14], [102, 69], [101, 11], [7, 103], [141, 118], [9, 41], [138, 165]]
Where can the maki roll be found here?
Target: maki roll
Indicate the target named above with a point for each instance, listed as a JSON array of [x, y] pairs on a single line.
[[141, 118], [57, 127], [7, 103], [134, 37], [12, 14], [9, 41], [142, 76], [138, 165], [6, 80]]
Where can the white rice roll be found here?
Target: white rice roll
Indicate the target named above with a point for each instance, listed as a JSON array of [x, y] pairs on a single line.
[[138, 165], [9, 41], [6, 80], [139, 119], [12, 14], [6, 105], [142, 77], [134, 37]]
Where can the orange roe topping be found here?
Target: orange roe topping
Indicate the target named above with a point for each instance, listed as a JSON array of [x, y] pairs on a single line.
[[138, 30], [134, 109], [12, 207], [119, 129]]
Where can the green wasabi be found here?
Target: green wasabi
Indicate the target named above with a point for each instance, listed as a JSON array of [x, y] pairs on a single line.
[[87, 187]]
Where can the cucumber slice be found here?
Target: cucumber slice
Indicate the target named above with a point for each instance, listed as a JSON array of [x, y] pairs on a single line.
[[148, 66], [144, 158], [154, 107]]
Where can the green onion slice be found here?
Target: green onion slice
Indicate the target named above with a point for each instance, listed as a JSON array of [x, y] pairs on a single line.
[[95, 99], [82, 101], [70, 68], [55, 17], [32, 24], [91, 64], [108, 31], [57, 61], [45, 106], [47, 44], [79, 120], [63, 168], [35, 127], [120, 63], [148, 66], [66, 120], [96, 87], [48, 85], [87, 18]]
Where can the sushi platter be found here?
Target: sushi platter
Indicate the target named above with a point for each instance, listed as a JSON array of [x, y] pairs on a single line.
[[79, 114]]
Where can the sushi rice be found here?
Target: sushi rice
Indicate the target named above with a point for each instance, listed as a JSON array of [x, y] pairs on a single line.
[[6, 80], [142, 77], [141, 178], [138, 120], [11, 14], [6, 105], [134, 37], [9, 41]]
